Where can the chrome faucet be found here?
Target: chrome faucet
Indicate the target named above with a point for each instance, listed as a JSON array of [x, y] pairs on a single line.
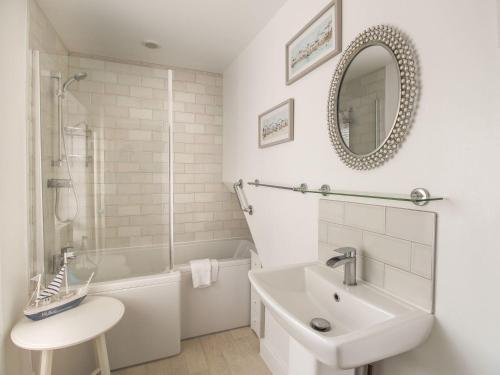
[[66, 249], [58, 259], [348, 260]]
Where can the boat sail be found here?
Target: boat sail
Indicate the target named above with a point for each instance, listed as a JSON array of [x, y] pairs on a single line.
[[51, 300], [54, 286]]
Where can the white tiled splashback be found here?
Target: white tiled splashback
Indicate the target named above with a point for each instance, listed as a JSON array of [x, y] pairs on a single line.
[[396, 247]]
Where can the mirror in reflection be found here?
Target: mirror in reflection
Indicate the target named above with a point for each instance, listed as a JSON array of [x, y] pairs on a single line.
[[368, 99]]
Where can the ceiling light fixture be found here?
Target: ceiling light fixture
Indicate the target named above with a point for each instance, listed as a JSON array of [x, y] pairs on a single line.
[[151, 44]]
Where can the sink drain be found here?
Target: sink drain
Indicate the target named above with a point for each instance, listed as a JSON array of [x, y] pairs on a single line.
[[320, 324]]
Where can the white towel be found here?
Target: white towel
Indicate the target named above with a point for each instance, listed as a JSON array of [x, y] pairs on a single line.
[[204, 272], [214, 270]]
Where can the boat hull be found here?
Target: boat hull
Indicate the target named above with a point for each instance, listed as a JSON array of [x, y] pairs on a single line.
[[55, 310]]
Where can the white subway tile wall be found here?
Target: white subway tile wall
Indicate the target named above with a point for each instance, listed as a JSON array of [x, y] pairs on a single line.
[[359, 96], [366, 217], [396, 247], [53, 58], [126, 106], [123, 192]]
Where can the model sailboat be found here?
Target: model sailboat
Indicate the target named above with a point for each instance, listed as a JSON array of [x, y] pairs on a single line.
[[52, 300]]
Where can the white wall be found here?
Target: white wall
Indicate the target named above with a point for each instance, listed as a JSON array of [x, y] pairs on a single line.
[[498, 21], [451, 150], [13, 212]]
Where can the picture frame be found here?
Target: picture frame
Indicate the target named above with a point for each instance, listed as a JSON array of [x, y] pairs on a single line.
[[275, 126], [315, 43]]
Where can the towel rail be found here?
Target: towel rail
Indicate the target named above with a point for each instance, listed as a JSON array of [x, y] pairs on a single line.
[[418, 196], [242, 200]]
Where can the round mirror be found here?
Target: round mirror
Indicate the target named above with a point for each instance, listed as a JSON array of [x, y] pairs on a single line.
[[372, 97], [368, 99]]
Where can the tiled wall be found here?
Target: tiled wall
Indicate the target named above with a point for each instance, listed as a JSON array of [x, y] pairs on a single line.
[[396, 247], [53, 60], [126, 116], [123, 192], [204, 208], [360, 95], [126, 107], [53, 57]]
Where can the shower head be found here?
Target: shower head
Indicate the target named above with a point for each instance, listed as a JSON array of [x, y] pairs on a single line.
[[80, 75], [77, 77]]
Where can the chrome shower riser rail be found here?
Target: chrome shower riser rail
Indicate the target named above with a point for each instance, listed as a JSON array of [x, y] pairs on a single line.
[[418, 196]]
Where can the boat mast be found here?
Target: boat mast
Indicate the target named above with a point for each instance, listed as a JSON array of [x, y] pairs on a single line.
[[38, 279], [38, 284], [66, 255]]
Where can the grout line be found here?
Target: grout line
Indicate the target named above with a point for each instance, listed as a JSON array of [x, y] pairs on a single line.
[[380, 234], [363, 254]]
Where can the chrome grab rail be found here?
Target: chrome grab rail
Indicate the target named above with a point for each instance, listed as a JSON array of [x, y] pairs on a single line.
[[245, 207]]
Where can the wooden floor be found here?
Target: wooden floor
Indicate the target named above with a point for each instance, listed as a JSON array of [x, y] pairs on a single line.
[[234, 352]]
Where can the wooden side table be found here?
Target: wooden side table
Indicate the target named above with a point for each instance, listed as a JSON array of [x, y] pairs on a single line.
[[89, 321]]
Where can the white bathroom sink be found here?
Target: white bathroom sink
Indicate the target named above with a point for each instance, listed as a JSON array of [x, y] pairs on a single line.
[[367, 325]]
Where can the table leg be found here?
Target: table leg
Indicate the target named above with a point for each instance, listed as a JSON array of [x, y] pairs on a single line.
[[46, 362], [102, 354]]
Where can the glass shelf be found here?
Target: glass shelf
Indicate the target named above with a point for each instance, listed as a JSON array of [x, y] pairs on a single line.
[[418, 196]]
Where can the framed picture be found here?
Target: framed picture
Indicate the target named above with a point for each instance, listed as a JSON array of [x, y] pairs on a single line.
[[317, 42], [276, 125]]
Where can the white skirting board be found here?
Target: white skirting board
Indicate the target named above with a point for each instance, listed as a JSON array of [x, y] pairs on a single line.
[[276, 365]]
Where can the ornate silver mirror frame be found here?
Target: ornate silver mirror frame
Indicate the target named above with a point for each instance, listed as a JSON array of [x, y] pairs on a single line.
[[401, 48]]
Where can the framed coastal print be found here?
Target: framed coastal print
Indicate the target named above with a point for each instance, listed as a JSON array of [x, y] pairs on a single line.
[[317, 42], [276, 125]]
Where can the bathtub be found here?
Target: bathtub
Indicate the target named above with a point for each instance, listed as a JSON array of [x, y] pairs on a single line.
[[225, 304], [161, 306]]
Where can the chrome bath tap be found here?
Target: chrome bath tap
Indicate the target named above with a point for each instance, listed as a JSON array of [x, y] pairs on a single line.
[[348, 260]]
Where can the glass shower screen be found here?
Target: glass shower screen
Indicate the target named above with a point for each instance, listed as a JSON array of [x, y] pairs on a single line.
[[103, 162]]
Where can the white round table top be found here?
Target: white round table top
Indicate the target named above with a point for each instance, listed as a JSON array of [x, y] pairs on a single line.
[[93, 317]]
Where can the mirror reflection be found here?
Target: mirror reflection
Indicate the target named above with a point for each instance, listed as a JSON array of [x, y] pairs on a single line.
[[368, 99]]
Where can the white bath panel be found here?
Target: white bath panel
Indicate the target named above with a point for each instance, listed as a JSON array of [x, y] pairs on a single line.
[[226, 303], [162, 307], [222, 306], [150, 328]]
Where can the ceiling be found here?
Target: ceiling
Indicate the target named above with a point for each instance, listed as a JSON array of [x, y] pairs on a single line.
[[198, 34], [368, 61]]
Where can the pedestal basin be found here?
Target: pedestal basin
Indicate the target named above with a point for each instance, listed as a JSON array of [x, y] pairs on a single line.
[[367, 325]]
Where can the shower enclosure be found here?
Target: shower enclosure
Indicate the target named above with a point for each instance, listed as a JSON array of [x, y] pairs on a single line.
[[102, 159], [107, 177]]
